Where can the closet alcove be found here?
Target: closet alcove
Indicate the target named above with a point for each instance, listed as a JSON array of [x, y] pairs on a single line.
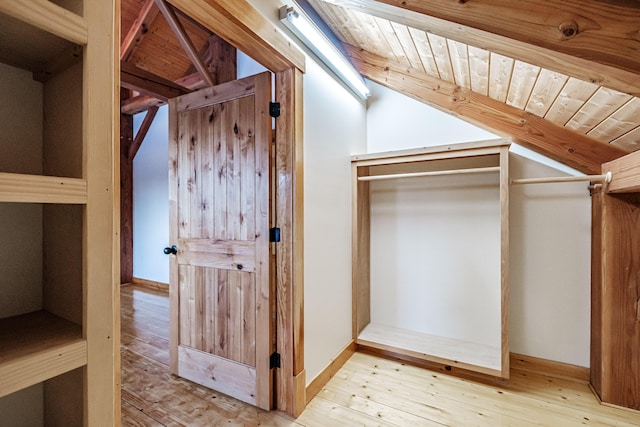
[[431, 254]]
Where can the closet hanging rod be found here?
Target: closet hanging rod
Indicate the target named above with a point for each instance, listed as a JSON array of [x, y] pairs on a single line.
[[597, 178], [431, 173]]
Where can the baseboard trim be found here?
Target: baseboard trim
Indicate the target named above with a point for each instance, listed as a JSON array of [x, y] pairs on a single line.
[[550, 368], [156, 286], [518, 362], [330, 370]]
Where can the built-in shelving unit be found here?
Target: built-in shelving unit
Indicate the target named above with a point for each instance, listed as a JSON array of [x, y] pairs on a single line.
[[457, 167], [58, 192]]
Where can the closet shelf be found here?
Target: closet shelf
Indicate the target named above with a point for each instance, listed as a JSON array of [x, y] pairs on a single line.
[[431, 173], [38, 346], [48, 17], [20, 188], [447, 351]]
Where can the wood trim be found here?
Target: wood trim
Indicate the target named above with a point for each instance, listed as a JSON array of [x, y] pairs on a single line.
[[601, 50], [556, 142], [174, 290], [329, 371], [49, 17], [518, 362], [150, 284], [240, 24], [101, 248], [290, 384], [625, 174], [504, 258], [361, 250], [550, 368]]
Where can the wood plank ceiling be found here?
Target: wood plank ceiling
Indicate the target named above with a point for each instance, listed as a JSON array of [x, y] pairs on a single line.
[[580, 110], [391, 43]]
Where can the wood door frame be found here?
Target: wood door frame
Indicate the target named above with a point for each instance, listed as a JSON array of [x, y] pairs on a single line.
[[242, 26]]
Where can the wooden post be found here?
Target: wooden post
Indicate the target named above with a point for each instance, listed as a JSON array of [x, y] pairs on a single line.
[[126, 195], [615, 298]]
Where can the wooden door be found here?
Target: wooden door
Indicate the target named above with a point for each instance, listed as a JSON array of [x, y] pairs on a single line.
[[220, 299]]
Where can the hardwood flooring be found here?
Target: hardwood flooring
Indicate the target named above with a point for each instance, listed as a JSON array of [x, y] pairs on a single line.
[[367, 391]]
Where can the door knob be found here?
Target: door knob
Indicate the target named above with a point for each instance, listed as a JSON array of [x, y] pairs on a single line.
[[171, 250]]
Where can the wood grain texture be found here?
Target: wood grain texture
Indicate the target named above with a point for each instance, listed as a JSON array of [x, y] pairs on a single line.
[[582, 153], [289, 181], [367, 390], [126, 196], [36, 347], [142, 81], [138, 29], [317, 384], [615, 300], [49, 17], [101, 268], [602, 49], [221, 199], [360, 251], [625, 174], [24, 188], [242, 26]]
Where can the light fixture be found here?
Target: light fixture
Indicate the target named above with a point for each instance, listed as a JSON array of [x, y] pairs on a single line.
[[319, 44]]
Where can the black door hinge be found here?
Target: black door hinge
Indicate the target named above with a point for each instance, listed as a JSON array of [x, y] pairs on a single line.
[[274, 361], [274, 235], [274, 109]]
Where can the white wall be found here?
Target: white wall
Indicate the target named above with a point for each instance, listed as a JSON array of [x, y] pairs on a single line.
[[395, 120], [334, 129], [549, 231], [151, 201]]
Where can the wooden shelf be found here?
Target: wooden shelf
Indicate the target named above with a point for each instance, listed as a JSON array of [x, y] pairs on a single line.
[[49, 17], [38, 346], [20, 188], [447, 351]]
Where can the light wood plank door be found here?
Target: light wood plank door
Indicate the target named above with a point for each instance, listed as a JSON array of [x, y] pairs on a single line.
[[220, 302]]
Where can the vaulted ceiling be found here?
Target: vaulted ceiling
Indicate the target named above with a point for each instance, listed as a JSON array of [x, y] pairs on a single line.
[[559, 76]]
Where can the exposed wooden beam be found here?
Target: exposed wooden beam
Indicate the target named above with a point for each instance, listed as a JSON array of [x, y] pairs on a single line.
[[142, 103], [142, 132], [185, 41], [149, 84], [244, 27], [593, 40], [625, 172], [138, 104], [139, 28], [222, 60], [561, 144]]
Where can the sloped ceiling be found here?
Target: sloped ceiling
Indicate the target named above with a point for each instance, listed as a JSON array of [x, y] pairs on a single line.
[[560, 77]]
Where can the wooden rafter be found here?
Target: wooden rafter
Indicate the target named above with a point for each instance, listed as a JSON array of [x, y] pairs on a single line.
[[185, 41], [149, 84], [142, 132], [136, 33], [574, 149], [240, 24], [590, 40]]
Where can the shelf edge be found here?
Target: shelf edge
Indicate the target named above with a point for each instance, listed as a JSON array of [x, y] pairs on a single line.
[[28, 370], [48, 17], [20, 188]]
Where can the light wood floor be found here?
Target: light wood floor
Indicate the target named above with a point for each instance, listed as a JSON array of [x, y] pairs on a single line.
[[367, 391]]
